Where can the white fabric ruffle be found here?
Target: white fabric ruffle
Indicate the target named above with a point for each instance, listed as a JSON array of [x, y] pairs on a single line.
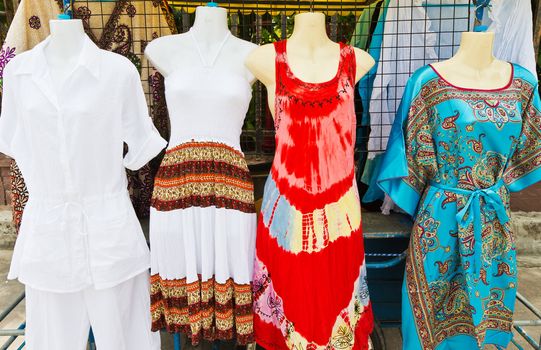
[[207, 242]]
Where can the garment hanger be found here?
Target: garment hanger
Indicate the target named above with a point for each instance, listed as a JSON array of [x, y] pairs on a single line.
[[212, 4]]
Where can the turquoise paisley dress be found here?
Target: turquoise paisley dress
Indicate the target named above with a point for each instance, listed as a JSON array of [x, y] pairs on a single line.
[[454, 155]]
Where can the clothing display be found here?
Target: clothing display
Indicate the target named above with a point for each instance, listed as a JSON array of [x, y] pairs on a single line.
[[122, 26], [62, 321], [413, 36], [454, 155], [110, 116], [202, 220], [310, 278], [428, 34], [79, 228]]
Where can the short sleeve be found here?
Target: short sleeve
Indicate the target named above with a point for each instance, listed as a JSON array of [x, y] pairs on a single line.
[[138, 131], [409, 161], [9, 119], [524, 166]]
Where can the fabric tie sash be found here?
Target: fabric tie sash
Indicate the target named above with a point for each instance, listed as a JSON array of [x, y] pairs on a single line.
[[471, 212]]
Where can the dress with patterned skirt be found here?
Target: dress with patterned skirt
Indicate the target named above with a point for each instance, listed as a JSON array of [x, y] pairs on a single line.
[[310, 287], [453, 157], [202, 215]]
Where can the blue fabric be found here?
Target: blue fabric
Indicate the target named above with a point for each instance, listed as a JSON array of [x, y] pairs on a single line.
[[454, 155]]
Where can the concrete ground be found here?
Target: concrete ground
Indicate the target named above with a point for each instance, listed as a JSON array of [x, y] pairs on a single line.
[[529, 286]]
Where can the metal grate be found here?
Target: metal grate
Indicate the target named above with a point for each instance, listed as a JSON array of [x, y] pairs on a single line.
[[438, 22]]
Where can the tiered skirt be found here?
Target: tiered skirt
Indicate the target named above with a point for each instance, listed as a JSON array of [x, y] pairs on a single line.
[[202, 236]]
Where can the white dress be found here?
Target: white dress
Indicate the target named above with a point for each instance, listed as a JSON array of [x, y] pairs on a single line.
[[202, 219]]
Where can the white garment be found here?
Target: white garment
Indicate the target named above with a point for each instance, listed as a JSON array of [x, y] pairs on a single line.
[[79, 228], [512, 24], [203, 243], [413, 37], [207, 101], [119, 318]]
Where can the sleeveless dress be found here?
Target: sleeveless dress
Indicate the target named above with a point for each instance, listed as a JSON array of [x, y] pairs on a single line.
[[202, 219], [310, 287]]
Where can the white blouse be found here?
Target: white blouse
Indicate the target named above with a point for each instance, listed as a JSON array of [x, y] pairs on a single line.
[[79, 228]]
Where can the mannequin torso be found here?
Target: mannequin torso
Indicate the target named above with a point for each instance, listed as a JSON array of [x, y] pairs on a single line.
[[207, 35], [474, 66], [313, 57], [64, 49]]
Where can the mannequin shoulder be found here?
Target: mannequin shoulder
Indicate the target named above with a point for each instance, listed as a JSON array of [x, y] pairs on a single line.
[[164, 52], [243, 45], [364, 63], [242, 49], [20, 60], [262, 56], [363, 59], [164, 43], [261, 62]]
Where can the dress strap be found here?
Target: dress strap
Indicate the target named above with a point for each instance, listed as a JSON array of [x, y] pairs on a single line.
[[349, 65], [280, 61]]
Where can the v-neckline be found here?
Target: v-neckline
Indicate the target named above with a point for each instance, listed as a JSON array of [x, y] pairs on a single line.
[[204, 62]]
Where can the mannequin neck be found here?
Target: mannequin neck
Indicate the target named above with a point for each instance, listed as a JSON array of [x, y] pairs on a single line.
[[310, 29], [67, 38], [210, 23], [475, 50]]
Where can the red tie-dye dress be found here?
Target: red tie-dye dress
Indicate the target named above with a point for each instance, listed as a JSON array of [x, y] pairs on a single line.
[[310, 287]]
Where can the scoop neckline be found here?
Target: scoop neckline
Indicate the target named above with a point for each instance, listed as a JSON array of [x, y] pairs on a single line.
[[293, 76], [506, 86]]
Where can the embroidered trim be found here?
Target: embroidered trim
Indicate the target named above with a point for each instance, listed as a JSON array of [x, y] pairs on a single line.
[[449, 310], [527, 156], [203, 174], [203, 309]]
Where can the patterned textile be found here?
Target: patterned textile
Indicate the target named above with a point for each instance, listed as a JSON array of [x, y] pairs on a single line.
[[454, 155], [124, 27], [310, 287], [203, 174], [203, 309]]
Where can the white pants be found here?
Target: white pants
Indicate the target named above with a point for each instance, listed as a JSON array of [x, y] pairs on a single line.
[[119, 316]]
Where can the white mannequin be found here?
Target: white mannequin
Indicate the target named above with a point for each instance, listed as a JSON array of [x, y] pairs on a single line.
[[474, 66], [210, 28], [64, 48], [313, 57]]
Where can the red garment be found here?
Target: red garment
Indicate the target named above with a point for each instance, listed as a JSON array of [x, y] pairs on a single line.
[[310, 279]]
